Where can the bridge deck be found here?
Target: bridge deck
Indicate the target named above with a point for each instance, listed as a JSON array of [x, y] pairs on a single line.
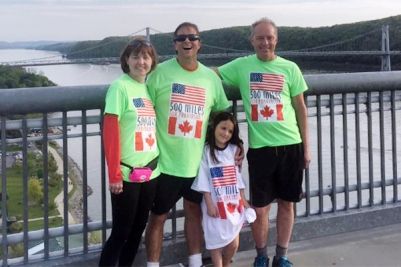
[[374, 247]]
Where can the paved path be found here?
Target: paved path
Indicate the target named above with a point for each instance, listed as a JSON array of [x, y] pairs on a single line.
[[379, 246], [40, 218], [375, 247], [59, 200]]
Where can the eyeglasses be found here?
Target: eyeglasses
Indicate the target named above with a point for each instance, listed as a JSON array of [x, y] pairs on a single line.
[[139, 42], [183, 37]]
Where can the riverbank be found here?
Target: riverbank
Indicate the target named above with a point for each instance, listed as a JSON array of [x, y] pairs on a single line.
[[75, 188]]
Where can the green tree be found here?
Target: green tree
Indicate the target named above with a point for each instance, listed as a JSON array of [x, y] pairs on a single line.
[[52, 164], [35, 191], [15, 227], [16, 250], [18, 77], [95, 237]]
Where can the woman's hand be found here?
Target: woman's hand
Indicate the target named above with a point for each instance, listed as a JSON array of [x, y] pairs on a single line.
[[116, 188]]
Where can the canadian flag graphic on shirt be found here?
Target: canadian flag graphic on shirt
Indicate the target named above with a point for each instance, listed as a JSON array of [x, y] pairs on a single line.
[[145, 138], [186, 111], [266, 89]]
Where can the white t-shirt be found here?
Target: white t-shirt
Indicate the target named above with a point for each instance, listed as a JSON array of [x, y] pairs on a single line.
[[224, 181]]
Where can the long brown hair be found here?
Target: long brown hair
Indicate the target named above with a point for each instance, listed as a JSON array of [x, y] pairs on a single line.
[[210, 137]]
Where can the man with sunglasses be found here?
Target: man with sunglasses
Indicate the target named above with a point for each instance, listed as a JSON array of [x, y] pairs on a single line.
[[184, 93], [272, 89]]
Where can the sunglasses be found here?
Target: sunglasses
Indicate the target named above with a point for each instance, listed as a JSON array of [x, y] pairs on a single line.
[[139, 42], [183, 37]]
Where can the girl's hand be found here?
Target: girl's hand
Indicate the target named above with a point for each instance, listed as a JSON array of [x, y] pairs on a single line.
[[212, 211], [246, 203], [243, 199], [116, 188]]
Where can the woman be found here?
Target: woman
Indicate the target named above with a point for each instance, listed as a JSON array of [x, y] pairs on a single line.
[[131, 153]]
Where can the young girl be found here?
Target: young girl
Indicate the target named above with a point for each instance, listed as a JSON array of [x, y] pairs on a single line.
[[222, 186]]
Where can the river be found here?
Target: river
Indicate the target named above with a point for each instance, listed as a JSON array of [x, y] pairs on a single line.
[[70, 75], [89, 74]]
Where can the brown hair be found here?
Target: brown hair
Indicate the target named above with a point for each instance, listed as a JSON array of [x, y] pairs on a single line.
[[216, 118], [136, 47]]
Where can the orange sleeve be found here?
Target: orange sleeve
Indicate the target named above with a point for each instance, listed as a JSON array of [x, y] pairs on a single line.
[[111, 143]]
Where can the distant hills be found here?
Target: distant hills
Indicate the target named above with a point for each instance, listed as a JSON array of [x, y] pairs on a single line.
[[237, 38], [290, 38], [26, 45]]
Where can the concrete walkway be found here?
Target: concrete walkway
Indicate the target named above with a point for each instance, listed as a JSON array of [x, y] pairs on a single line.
[[375, 247]]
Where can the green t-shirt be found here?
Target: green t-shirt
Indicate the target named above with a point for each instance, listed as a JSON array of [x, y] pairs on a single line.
[[183, 101], [130, 101], [266, 90]]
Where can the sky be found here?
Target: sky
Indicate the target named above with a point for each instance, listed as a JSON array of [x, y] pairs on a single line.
[[69, 20]]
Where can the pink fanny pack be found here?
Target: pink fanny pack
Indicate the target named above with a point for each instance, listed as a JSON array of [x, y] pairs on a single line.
[[143, 174], [140, 175]]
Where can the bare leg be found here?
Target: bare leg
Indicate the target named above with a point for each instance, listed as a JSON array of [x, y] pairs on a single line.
[[229, 252], [260, 226], [154, 236], [217, 258], [193, 227], [285, 222]]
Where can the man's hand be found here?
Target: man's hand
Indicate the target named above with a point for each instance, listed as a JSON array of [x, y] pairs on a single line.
[[307, 158]]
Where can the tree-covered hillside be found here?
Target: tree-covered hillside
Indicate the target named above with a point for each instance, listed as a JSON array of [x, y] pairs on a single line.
[[290, 38], [237, 38], [17, 77]]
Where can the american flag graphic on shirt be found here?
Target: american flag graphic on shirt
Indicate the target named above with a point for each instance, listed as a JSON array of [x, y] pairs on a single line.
[[145, 138], [183, 121], [265, 92], [144, 107], [267, 81], [187, 94], [223, 176]]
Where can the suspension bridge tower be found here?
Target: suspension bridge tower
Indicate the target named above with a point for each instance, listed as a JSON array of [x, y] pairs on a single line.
[[386, 62]]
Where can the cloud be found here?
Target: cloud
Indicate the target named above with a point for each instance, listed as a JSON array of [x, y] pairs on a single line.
[[90, 19]]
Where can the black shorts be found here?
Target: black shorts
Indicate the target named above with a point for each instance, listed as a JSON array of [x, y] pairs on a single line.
[[276, 173], [170, 189]]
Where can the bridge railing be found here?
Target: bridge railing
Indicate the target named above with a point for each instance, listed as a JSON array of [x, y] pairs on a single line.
[[354, 122]]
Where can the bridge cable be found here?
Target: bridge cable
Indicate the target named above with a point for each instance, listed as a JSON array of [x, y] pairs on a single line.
[[333, 44], [225, 48], [73, 53]]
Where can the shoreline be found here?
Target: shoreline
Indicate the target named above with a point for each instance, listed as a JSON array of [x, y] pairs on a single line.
[[75, 200]]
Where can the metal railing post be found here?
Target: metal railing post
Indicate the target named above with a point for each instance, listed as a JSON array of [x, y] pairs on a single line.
[[4, 225]]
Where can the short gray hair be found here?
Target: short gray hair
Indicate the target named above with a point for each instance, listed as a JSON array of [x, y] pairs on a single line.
[[263, 20]]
